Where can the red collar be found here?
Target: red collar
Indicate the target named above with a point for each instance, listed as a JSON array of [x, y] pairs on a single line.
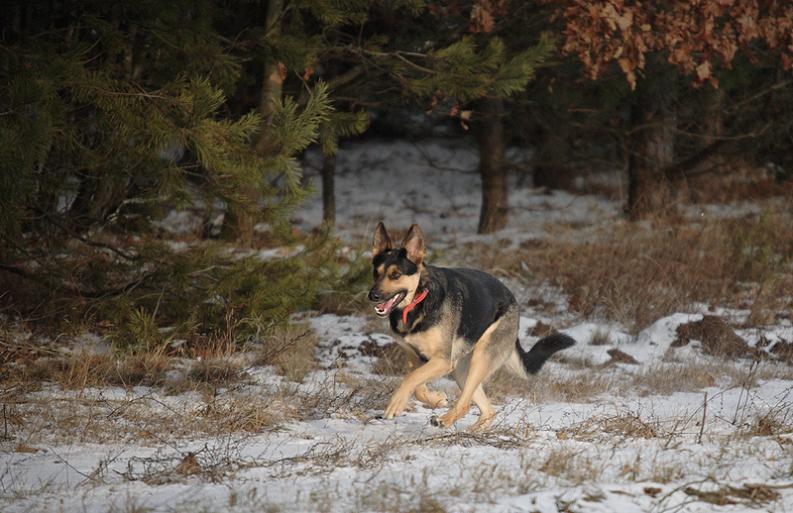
[[416, 300]]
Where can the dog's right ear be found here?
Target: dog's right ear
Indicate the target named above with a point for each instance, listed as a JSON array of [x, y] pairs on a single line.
[[381, 242], [414, 244]]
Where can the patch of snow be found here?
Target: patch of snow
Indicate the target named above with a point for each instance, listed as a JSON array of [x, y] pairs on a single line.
[[435, 183], [341, 341], [180, 222], [652, 343]]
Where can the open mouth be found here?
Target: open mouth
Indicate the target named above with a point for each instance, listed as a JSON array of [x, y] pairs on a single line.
[[384, 308]]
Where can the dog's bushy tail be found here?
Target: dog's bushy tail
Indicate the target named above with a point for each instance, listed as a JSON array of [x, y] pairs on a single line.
[[530, 362]]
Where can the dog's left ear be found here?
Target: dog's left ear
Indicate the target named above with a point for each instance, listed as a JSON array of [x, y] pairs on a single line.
[[414, 244], [381, 241]]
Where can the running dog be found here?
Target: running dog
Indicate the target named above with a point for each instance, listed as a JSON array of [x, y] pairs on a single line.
[[449, 320]]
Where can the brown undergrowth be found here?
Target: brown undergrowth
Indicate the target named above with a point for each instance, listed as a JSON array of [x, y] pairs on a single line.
[[635, 273], [585, 384], [290, 350]]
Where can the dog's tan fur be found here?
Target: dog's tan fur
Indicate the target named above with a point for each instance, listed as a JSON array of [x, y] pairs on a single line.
[[409, 283]]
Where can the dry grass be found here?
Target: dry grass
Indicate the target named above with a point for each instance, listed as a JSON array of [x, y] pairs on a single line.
[[345, 303], [689, 376], [87, 416], [668, 378], [575, 386], [348, 396], [636, 273], [582, 382], [216, 372], [666, 472], [776, 421], [625, 425], [151, 418], [391, 361], [572, 464], [80, 370], [290, 350]]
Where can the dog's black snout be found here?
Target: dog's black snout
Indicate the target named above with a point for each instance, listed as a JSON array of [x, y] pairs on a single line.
[[374, 295]]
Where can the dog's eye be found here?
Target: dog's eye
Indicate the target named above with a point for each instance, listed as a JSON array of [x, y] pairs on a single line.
[[395, 275]]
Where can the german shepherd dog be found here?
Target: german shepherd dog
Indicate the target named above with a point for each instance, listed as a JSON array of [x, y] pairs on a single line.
[[449, 320]]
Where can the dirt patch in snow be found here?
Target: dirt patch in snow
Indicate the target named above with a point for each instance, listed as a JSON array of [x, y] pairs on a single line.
[[618, 356], [717, 337], [541, 330], [783, 350]]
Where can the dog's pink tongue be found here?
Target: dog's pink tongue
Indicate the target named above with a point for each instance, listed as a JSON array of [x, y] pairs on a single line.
[[386, 306]]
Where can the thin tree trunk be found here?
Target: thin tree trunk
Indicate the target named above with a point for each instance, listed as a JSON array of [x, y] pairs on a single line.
[[652, 152], [329, 189], [489, 131], [552, 171], [239, 221], [97, 197]]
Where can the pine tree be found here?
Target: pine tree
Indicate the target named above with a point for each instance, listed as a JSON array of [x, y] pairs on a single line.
[[114, 113], [304, 41]]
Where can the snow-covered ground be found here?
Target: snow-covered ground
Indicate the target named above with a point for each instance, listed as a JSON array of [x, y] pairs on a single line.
[[611, 444]]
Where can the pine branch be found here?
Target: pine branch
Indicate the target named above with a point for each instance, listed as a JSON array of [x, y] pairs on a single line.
[[76, 291]]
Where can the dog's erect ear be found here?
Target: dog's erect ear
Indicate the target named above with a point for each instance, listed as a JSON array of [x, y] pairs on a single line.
[[414, 244], [381, 242]]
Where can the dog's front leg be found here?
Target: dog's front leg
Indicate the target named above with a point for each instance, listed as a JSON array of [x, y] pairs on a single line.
[[430, 398], [433, 369]]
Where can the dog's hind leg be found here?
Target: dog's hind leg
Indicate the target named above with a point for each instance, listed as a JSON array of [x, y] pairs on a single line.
[[478, 370], [490, 352], [486, 411]]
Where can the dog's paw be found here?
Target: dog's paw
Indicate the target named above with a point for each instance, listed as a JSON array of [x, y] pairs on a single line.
[[482, 423], [395, 407], [441, 421], [448, 419]]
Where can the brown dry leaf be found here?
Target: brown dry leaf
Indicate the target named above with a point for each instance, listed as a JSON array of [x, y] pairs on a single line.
[[625, 21], [596, 29], [703, 71], [482, 21], [652, 491]]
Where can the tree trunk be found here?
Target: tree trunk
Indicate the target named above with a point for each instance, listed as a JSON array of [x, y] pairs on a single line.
[[328, 189], [97, 197], [651, 152], [489, 131], [239, 221], [552, 170]]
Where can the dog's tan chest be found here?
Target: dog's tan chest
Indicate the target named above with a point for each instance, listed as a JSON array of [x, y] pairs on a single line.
[[429, 343]]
